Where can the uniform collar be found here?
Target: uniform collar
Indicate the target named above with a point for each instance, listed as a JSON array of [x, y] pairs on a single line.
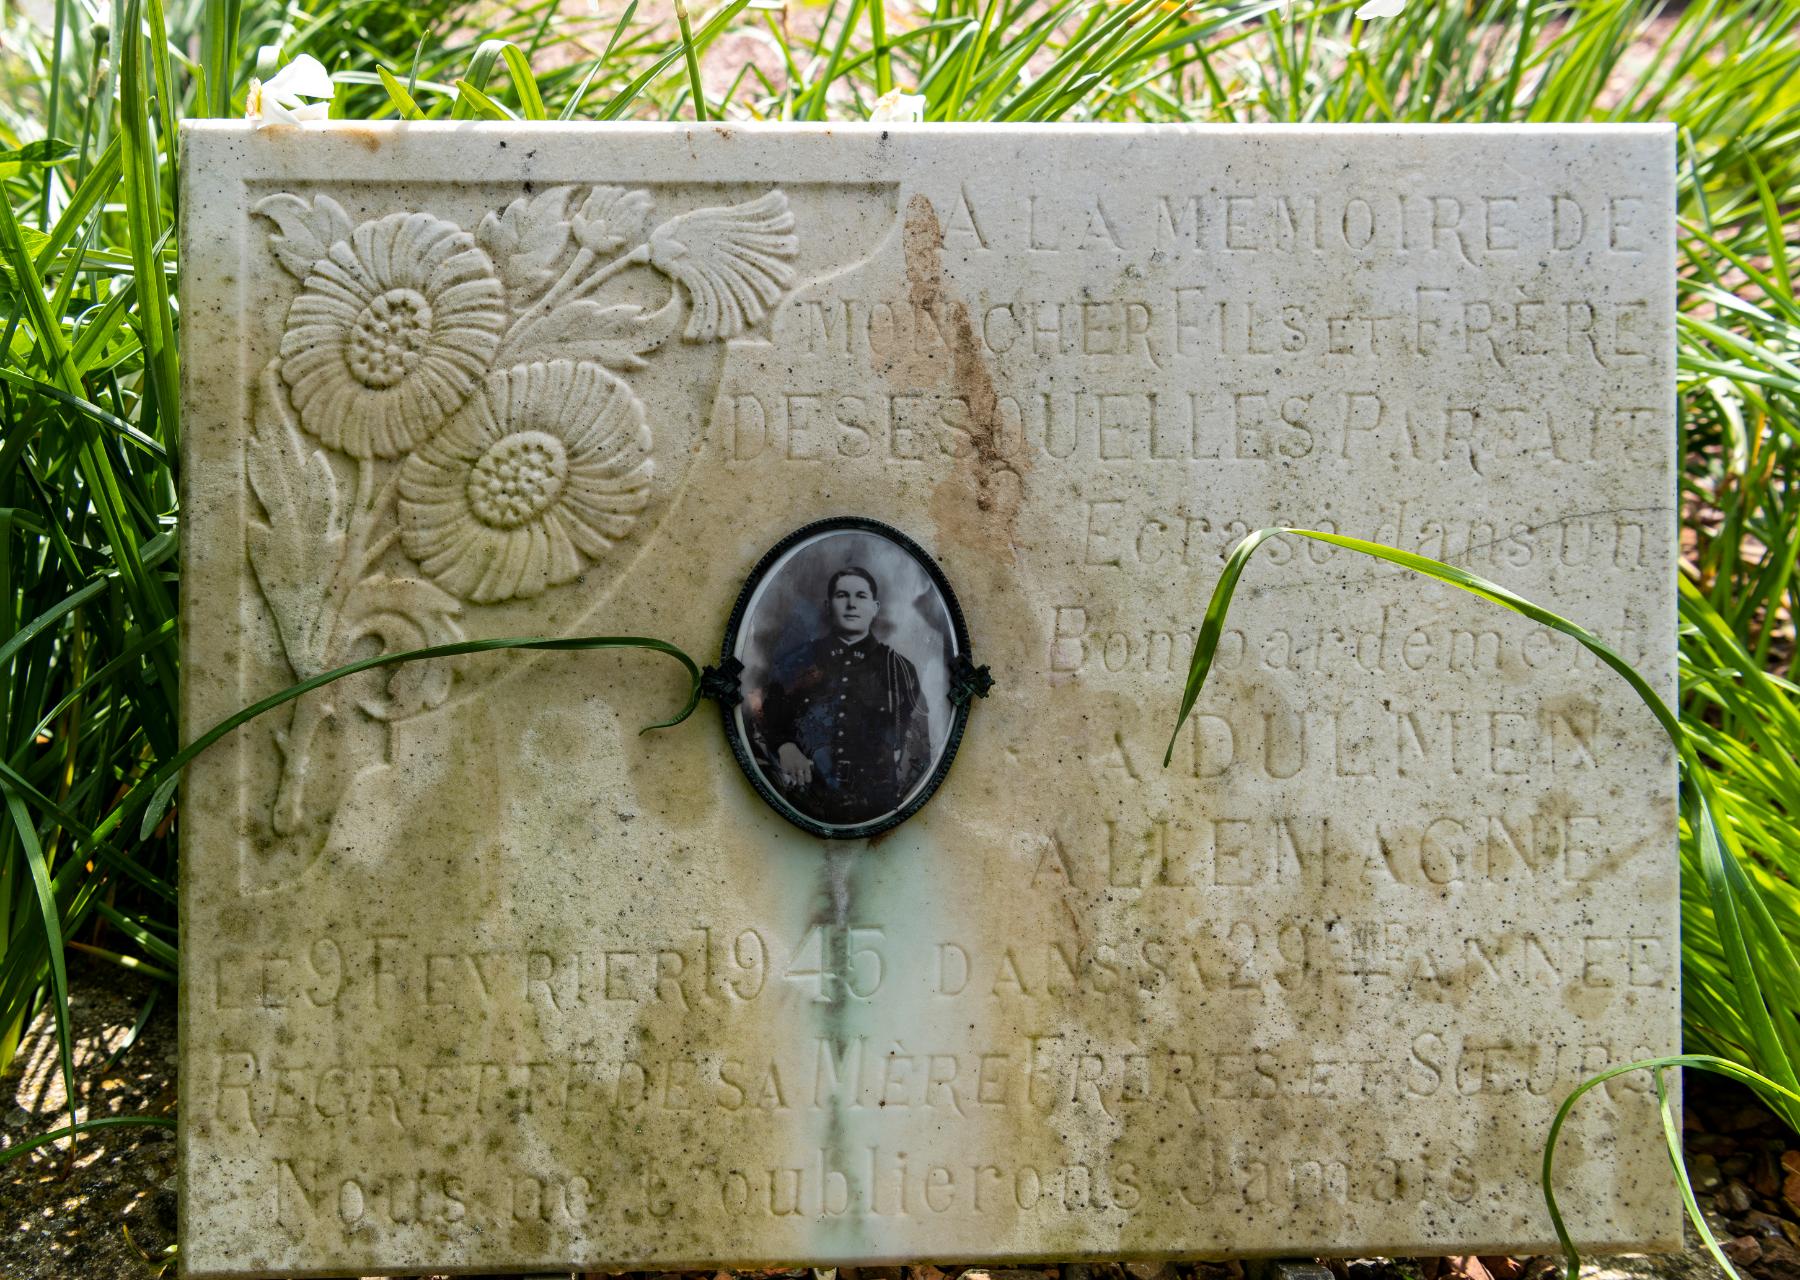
[[856, 648]]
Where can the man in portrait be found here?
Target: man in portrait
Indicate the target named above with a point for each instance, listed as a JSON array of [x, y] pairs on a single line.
[[844, 730]]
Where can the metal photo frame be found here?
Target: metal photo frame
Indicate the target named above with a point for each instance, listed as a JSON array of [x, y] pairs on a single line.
[[963, 680]]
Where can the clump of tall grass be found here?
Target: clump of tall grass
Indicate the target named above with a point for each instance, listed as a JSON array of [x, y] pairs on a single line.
[[90, 99]]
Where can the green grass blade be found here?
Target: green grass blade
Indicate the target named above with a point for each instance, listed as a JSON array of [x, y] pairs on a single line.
[[1213, 622], [884, 57], [17, 1149], [157, 948], [160, 786], [403, 101], [624, 99], [219, 52], [143, 211], [531, 102], [51, 919], [1699, 1061], [580, 95], [692, 59], [473, 102]]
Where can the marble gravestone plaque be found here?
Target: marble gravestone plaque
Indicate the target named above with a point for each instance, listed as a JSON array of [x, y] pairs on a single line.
[[478, 977]]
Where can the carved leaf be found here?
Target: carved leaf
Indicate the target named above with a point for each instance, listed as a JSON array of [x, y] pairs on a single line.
[[527, 240], [400, 614], [307, 231], [616, 336], [611, 218], [297, 552]]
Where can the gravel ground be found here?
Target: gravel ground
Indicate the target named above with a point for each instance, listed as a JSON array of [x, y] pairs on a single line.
[[104, 1210]]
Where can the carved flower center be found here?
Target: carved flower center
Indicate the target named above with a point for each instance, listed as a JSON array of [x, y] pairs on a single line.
[[388, 337], [517, 478]]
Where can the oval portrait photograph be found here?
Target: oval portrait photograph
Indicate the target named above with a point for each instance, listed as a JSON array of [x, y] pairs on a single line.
[[848, 635]]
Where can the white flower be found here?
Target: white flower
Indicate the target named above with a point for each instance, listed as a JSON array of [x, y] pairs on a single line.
[[390, 334], [280, 101], [1380, 9], [733, 262], [898, 107], [538, 475]]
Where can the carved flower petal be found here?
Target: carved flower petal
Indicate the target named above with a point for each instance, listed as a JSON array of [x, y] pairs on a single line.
[[611, 218], [390, 333], [537, 475]]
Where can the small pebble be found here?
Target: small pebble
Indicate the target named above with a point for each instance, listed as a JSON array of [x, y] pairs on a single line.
[[1746, 1118], [1743, 1250], [1790, 1191], [1767, 1178], [1780, 1251], [1764, 1225]]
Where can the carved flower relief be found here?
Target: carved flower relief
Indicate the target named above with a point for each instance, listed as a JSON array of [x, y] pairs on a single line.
[[540, 473], [392, 330], [610, 218], [733, 262]]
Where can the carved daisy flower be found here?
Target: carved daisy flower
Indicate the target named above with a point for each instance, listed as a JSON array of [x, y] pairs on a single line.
[[392, 330], [540, 474], [733, 262]]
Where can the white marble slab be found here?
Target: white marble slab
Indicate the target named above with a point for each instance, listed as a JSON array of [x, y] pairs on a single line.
[[476, 977]]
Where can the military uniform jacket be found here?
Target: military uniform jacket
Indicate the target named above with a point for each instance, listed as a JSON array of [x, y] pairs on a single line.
[[856, 711]]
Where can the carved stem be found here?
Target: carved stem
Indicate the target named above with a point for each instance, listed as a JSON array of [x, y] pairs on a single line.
[[582, 261], [362, 548], [569, 288], [370, 552], [379, 548], [310, 712], [638, 255], [314, 709]]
